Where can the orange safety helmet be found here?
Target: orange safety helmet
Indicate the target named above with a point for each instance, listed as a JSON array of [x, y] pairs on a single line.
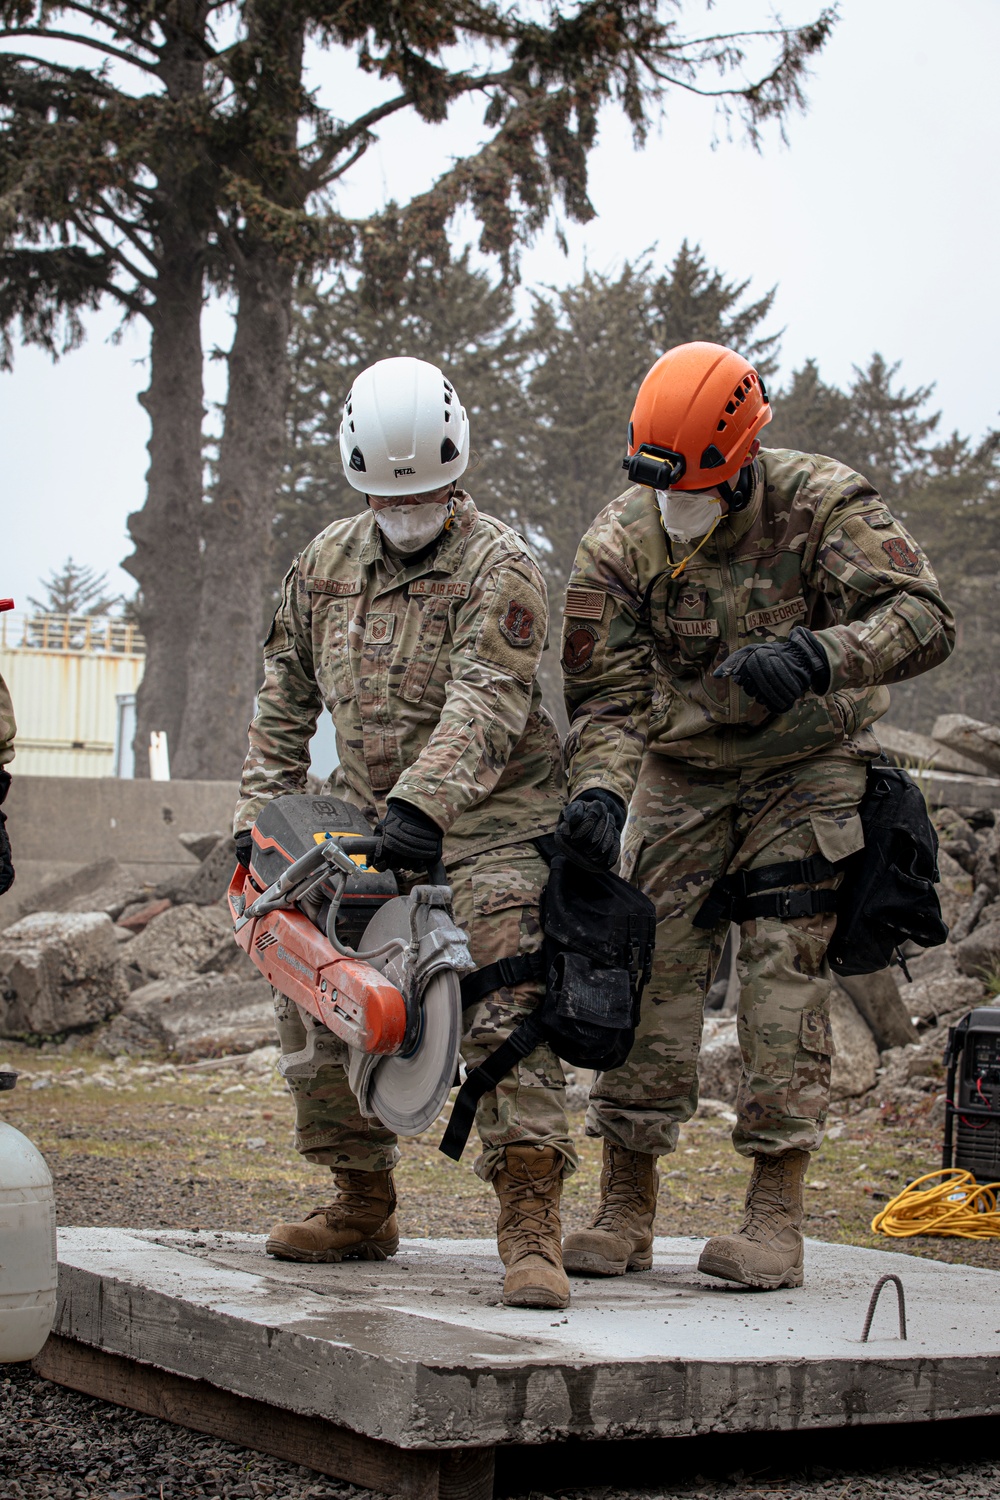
[[695, 418]]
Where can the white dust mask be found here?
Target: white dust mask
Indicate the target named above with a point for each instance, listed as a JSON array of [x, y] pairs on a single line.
[[686, 514], [408, 528]]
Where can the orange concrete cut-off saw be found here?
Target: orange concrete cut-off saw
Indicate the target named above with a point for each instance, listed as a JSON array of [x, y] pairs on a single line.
[[375, 974]]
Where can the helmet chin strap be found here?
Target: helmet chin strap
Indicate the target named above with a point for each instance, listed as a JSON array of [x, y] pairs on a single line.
[[737, 496]]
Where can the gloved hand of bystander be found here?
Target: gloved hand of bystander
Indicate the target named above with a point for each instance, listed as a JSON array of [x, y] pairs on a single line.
[[407, 839], [778, 673], [589, 829]]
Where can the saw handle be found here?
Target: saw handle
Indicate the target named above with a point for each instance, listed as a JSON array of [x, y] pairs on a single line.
[[436, 875]]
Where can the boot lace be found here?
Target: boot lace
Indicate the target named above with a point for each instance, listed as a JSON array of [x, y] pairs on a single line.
[[622, 1199], [530, 1214], [355, 1200], [766, 1211]]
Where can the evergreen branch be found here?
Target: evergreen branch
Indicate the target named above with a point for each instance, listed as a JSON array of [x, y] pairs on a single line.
[[89, 230], [45, 34], [128, 229], [95, 83], [114, 26]]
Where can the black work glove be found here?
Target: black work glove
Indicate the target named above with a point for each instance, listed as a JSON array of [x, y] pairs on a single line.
[[589, 829], [6, 866], [779, 672], [243, 844], [407, 839]]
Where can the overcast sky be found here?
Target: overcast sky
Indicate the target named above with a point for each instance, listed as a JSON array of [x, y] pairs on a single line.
[[878, 223]]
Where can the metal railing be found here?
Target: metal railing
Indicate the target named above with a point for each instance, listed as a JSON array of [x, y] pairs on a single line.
[[91, 635]]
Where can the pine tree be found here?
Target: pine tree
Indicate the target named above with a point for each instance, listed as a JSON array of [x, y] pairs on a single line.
[[810, 415], [75, 590], [220, 169]]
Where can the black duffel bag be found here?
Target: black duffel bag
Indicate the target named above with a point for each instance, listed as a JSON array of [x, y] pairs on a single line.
[[595, 960]]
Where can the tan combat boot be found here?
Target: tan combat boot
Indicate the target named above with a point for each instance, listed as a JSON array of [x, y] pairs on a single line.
[[766, 1250], [528, 1185], [620, 1237], [360, 1223]]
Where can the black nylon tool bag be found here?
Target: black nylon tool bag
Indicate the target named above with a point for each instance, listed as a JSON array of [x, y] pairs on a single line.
[[596, 958], [599, 933], [887, 895]]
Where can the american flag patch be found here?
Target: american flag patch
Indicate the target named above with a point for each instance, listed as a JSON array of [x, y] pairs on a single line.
[[585, 604]]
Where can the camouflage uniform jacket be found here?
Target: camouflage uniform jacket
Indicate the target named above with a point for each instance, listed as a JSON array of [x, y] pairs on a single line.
[[428, 670], [816, 546], [7, 725]]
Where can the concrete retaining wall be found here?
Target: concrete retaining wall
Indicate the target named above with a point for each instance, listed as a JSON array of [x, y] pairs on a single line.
[[76, 820]]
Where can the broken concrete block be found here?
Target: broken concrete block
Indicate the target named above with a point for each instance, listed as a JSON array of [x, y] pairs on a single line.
[[941, 994], [59, 971], [56, 894], [141, 913], [970, 737], [855, 1059], [209, 883], [876, 997], [180, 941], [904, 748], [979, 954], [212, 1016], [720, 1062], [201, 844]]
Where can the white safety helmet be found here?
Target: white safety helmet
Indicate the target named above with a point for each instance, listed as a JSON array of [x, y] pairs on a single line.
[[404, 430]]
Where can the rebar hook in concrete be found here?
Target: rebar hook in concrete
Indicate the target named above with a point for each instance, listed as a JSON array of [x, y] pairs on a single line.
[[874, 1303]]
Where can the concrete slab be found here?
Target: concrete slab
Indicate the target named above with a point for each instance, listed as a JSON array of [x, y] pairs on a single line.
[[419, 1353]]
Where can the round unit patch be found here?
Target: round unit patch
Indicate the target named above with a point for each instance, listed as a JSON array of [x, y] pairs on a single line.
[[578, 649]]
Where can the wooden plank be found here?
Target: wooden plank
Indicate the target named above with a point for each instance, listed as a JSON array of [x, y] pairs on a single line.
[[466, 1474], [313, 1441]]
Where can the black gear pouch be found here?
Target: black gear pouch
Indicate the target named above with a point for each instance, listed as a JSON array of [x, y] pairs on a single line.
[[888, 895], [596, 958]]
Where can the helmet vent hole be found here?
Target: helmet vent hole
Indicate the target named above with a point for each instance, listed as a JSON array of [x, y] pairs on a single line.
[[448, 451], [721, 427], [730, 407]]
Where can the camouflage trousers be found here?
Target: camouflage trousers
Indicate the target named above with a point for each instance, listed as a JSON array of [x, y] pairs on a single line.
[[496, 899], [686, 826]]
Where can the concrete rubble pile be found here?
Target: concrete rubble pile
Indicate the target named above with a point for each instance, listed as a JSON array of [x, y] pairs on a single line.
[[152, 969]]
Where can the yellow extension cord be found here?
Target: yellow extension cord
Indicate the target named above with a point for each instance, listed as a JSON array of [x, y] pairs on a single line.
[[959, 1207]]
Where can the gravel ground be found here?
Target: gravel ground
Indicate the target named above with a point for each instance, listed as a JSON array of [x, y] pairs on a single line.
[[151, 1145], [58, 1445]]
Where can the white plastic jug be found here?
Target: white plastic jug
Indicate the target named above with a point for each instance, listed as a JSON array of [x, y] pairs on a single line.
[[27, 1244]]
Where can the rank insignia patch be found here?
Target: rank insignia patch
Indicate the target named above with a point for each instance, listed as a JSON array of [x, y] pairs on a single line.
[[518, 624], [902, 558], [578, 650]]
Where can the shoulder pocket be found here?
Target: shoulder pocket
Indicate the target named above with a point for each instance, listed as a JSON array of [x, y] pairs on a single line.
[[512, 631]]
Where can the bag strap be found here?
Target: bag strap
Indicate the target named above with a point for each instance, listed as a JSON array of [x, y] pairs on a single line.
[[522, 1041], [516, 968], [729, 898], [785, 904]]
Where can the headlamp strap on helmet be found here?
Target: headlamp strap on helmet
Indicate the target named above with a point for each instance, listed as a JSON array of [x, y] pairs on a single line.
[[656, 468]]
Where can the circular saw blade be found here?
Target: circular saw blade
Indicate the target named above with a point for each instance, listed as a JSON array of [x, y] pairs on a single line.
[[408, 1091]]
